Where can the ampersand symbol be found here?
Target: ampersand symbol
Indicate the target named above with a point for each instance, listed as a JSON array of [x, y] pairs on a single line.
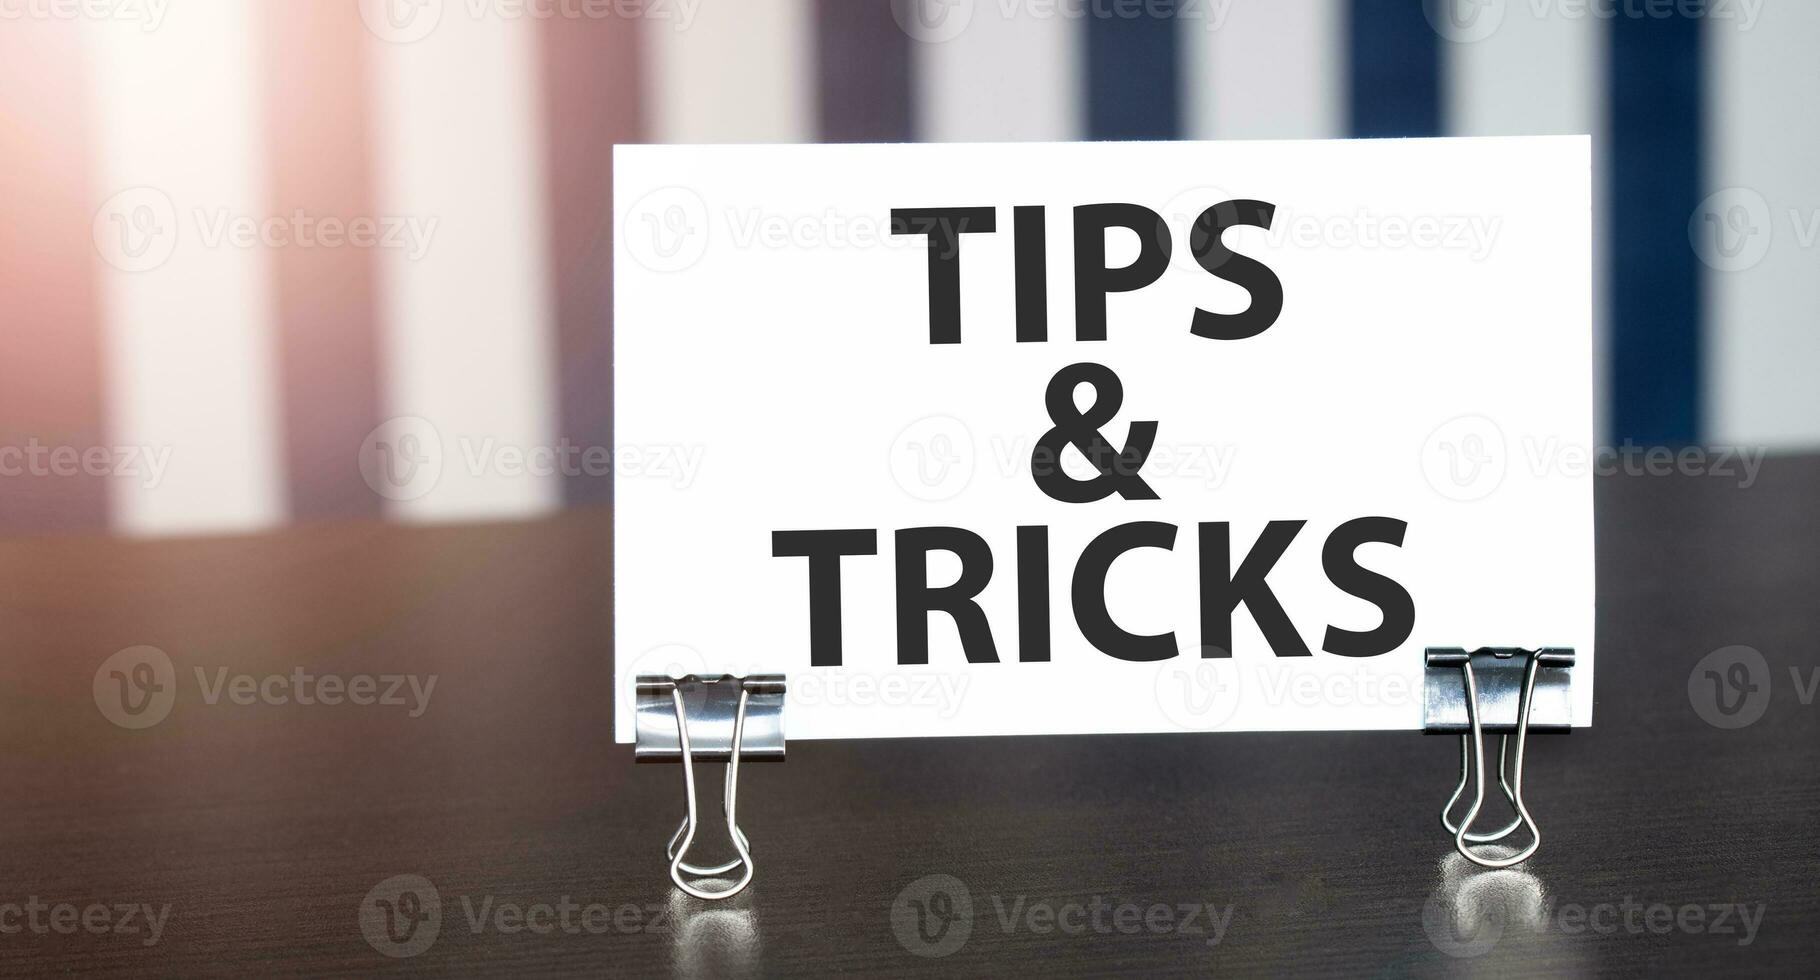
[[1118, 468]]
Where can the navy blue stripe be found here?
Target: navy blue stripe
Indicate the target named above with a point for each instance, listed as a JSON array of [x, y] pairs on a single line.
[[863, 72], [1655, 186], [1395, 65], [1133, 74]]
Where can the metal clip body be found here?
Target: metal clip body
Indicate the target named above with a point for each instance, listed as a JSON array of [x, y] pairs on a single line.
[[720, 719], [1506, 690]]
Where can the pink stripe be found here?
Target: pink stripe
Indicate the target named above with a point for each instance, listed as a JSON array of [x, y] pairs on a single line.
[[316, 87], [592, 100], [52, 447]]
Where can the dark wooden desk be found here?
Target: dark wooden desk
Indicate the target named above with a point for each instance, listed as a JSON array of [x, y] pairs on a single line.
[[264, 826]]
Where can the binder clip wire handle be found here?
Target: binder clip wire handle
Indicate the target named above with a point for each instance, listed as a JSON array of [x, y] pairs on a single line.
[[1514, 710], [736, 719], [1514, 789], [1484, 836], [741, 846]]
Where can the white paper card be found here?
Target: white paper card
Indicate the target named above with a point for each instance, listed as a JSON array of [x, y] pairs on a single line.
[[1419, 398]]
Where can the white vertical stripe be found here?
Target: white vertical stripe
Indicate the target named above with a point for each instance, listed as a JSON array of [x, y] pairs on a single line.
[[1265, 69], [732, 73], [988, 73], [188, 333], [1763, 151], [1529, 71], [468, 326], [1534, 73]]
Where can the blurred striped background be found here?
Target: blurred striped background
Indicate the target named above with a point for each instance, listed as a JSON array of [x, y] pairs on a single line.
[[237, 236]]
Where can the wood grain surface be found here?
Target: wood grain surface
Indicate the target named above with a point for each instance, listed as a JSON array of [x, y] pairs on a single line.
[[264, 827]]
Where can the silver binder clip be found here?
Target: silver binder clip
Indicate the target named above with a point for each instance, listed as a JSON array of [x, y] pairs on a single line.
[[1507, 690], [733, 718]]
